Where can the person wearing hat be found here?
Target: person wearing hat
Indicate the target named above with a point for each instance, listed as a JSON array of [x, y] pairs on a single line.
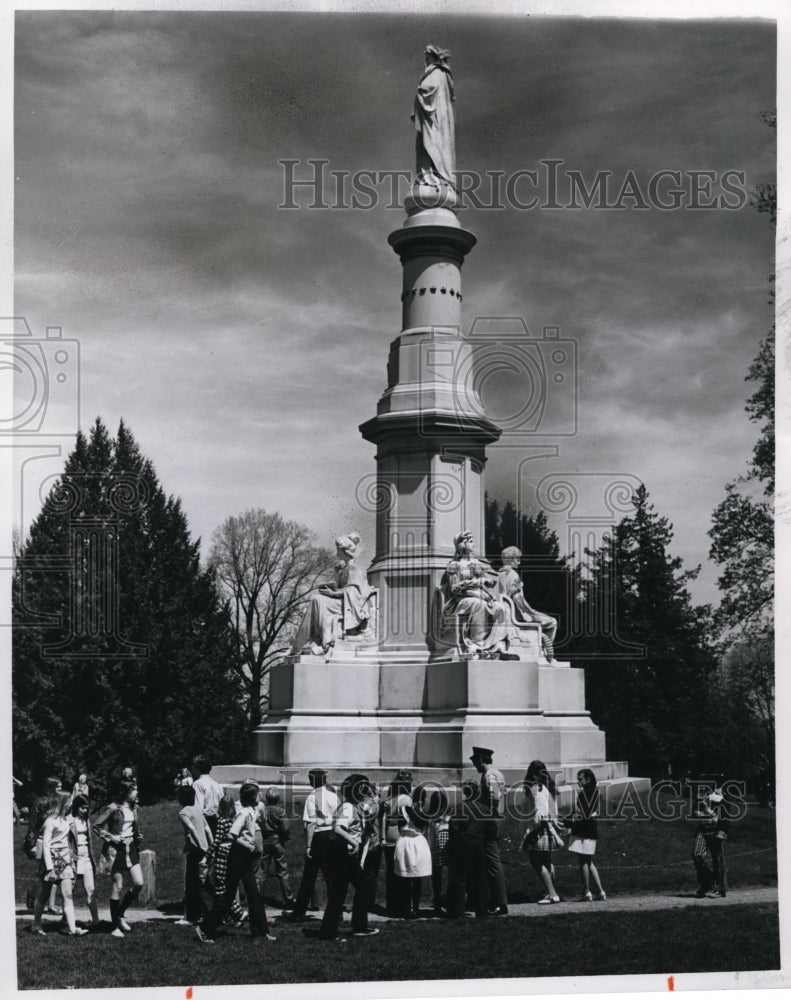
[[707, 848], [492, 805], [320, 806], [477, 833]]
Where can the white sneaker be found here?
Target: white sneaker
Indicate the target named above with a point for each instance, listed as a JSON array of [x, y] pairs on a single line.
[[117, 932], [124, 924], [183, 922]]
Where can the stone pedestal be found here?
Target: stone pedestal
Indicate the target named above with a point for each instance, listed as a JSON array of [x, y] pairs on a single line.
[[373, 711]]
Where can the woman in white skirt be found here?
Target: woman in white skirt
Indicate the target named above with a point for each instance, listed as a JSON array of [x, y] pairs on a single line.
[[412, 861], [584, 833]]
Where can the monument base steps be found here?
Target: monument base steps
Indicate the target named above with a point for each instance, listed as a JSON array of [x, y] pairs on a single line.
[[618, 790], [376, 713]]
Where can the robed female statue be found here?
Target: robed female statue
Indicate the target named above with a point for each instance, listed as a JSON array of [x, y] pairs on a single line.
[[434, 121]]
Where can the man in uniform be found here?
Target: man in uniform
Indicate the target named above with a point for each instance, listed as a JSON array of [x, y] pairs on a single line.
[[492, 805], [320, 806]]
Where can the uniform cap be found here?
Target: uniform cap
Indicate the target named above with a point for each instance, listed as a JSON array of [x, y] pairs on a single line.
[[481, 753]]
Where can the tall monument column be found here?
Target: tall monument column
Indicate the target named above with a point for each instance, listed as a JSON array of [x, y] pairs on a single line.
[[429, 654], [428, 430]]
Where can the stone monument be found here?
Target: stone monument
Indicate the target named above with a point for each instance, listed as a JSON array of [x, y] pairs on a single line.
[[432, 653]]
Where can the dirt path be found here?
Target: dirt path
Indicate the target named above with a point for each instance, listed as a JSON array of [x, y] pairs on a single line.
[[767, 894]]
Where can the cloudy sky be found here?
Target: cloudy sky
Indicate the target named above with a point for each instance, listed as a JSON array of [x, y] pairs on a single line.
[[244, 343]]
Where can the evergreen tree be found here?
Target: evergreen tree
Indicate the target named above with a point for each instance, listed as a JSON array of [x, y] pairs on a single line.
[[132, 662], [651, 703]]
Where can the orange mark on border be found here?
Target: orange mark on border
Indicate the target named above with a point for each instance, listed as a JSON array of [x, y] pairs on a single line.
[[189, 993], [671, 985]]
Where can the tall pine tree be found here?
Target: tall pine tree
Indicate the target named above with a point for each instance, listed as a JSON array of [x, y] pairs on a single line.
[[652, 704], [122, 649]]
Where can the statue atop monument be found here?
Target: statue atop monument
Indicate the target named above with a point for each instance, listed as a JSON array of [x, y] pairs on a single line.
[[435, 122]]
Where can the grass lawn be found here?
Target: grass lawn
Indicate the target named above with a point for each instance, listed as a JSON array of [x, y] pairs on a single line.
[[634, 857], [661, 942]]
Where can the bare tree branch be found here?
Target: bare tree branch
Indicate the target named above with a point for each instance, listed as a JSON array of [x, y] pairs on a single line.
[[268, 567]]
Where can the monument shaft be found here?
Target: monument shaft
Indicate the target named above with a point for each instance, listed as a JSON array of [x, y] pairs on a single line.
[[429, 430], [438, 656]]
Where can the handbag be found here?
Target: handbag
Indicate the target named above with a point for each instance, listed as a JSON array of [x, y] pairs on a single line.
[[530, 836], [31, 845]]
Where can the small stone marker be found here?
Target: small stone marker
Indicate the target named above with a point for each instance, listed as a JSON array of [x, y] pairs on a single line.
[[148, 862]]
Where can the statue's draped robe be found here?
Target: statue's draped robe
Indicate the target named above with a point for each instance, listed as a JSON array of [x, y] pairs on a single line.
[[510, 583], [436, 129], [482, 617], [329, 617]]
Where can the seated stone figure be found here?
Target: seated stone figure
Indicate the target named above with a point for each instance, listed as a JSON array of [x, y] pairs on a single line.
[[341, 608], [471, 617], [510, 585]]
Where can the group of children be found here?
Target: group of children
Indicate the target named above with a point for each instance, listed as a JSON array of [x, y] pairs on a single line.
[[423, 836], [59, 840], [544, 833], [348, 833], [225, 846]]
